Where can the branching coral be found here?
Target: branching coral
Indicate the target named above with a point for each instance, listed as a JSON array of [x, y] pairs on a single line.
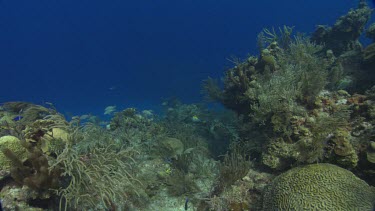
[[35, 172]]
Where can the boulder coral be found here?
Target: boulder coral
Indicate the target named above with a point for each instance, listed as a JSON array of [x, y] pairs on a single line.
[[318, 187], [14, 144], [173, 147]]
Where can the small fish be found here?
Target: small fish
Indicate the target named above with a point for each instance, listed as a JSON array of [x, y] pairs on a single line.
[[195, 118], [17, 118], [186, 203], [168, 160], [1, 206]]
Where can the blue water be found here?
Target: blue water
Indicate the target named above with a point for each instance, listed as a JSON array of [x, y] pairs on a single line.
[[83, 55]]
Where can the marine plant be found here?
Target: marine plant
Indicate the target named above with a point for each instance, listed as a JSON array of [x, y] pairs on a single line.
[[211, 90], [134, 129], [181, 183], [100, 174], [233, 167], [283, 37], [28, 112], [88, 137], [275, 95], [311, 69], [299, 79]]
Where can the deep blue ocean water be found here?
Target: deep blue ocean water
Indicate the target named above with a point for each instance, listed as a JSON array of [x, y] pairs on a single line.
[[83, 55]]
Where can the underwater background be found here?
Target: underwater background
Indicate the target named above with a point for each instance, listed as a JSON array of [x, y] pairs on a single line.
[[85, 55], [187, 105]]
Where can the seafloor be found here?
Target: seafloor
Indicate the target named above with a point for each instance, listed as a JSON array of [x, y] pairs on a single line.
[[296, 132]]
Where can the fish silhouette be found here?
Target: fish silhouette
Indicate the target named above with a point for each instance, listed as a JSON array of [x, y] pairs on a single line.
[[17, 118]]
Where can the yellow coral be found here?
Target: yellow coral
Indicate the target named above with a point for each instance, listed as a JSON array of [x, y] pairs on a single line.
[[55, 141], [14, 144]]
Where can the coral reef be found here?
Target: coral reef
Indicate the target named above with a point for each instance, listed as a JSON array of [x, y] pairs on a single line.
[[302, 100], [318, 186], [343, 36], [129, 165]]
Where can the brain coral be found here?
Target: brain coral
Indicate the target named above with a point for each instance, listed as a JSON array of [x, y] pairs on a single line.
[[14, 144], [318, 187]]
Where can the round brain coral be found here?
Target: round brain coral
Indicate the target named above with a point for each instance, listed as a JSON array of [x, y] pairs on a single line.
[[318, 187], [14, 144]]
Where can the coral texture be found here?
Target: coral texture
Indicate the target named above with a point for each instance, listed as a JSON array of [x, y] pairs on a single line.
[[318, 187], [14, 144]]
